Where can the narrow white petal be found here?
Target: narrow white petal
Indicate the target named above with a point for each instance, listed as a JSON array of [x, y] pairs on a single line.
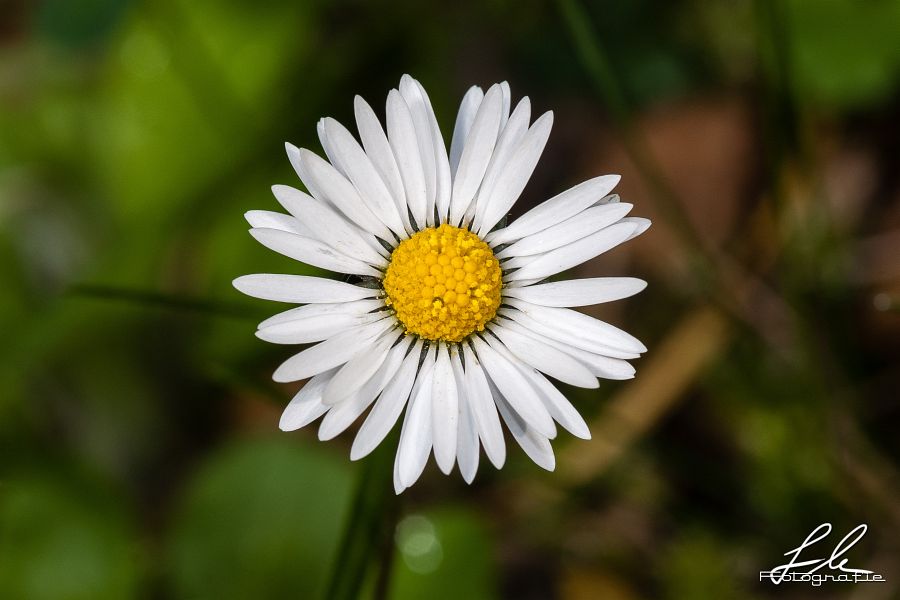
[[559, 406], [601, 365], [402, 137], [468, 108], [306, 406], [300, 288], [356, 307], [515, 175], [398, 485], [484, 411], [566, 337], [388, 406], [555, 210], [576, 322], [578, 292], [314, 329], [517, 262], [507, 143], [535, 445], [415, 436], [507, 101], [476, 154], [327, 146], [419, 107], [545, 358], [445, 411], [333, 229], [520, 394], [641, 223], [362, 173], [442, 176], [331, 353], [467, 438], [293, 153], [580, 226], [357, 372], [345, 412], [274, 220], [312, 252], [327, 184], [379, 151], [574, 254]]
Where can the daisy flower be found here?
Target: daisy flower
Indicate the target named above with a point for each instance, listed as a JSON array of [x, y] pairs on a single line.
[[442, 310]]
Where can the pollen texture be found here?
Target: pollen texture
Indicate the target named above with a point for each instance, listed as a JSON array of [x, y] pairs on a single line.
[[444, 283]]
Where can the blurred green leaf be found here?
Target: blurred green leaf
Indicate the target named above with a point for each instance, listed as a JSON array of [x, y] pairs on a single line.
[[443, 554], [59, 541], [260, 520], [698, 567], [845, 54]]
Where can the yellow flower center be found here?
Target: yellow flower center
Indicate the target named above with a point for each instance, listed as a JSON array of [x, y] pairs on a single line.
[[444, 283]]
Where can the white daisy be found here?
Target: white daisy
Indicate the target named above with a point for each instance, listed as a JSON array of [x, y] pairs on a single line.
[[443, 311]]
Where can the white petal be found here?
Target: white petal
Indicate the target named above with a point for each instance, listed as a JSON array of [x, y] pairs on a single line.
[[468, 108], [545, 358], [574, 254], [484, 411], [331, 353], [415, 436], [476, 154], [312, 252], [398, 485], [344, 413], [445, 411], [507, 102], [467, 437], [388, 406], [601, 365], [402, 137], [515, 175], [357, 307], [567, 338], [443, 181], [535, 445], [327, 146], [507, 143], [306, 406], [580, 226], [293, 153], [521, 396], [641, 223], [332, 228], [361, 172], [379, 151], [300, 288], [419, 107], [274, 220], [578, 323], [555, 210], [357, 372], [578, 292], [327, 184], [559, 406], [314, 329], [517, 262]]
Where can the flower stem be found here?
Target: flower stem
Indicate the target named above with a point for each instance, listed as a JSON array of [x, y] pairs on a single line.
[[369, 528]]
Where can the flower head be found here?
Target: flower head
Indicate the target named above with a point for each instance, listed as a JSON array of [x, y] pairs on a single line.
[[443, 311]]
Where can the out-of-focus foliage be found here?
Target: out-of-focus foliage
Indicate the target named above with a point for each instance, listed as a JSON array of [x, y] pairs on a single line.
[[246, 530], [64, 538], [139, 451]]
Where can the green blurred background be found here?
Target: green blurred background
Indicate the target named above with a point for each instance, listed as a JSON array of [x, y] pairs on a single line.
[[139, 450]]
